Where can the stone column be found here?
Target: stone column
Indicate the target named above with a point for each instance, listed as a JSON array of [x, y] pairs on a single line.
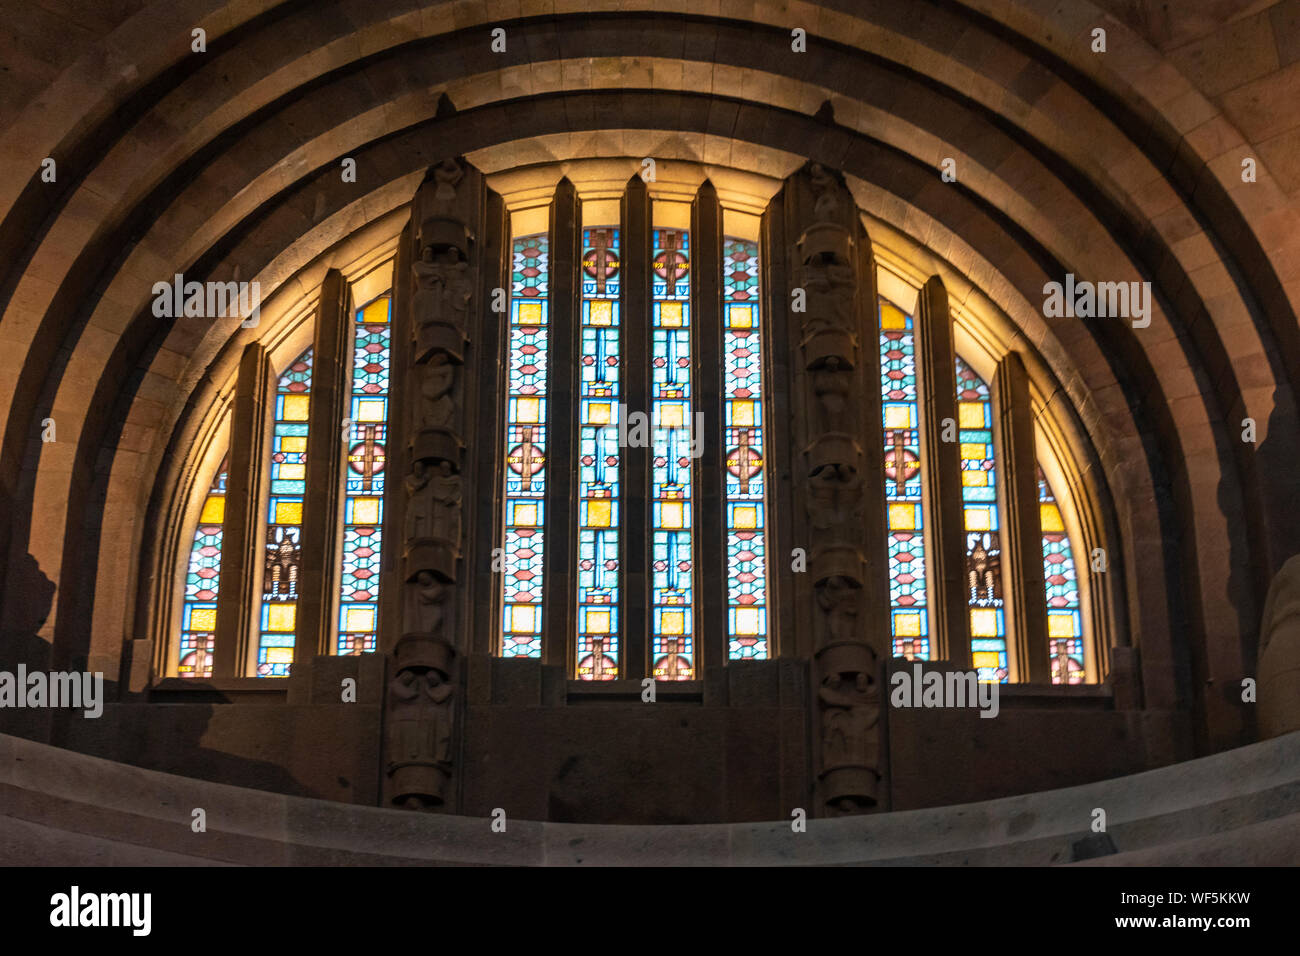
[[707, 508], [561, 435], [1022, 570], [839, 480], [330, 386], [936, 362], [243, 552], [636, 397], [434, 412]]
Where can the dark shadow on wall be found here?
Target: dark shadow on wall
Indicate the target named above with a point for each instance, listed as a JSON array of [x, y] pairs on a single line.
[[170, 738], [21, 643]]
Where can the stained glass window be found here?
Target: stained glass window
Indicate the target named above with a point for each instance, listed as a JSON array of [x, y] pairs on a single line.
[[202, 581], [909, 622], [283, 551], [1064, 620], [599, 458], [365, 438], [525, 448], [672, 557], [983, 529], [746, 472]]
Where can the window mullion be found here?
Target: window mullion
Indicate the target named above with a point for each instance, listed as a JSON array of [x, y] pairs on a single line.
[[242, 549], [1022, 571], [565, 261], [708, 504], [936, 361], [331, 376], [636, 397]]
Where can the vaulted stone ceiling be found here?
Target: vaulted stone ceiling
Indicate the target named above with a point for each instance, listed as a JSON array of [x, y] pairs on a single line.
[[1118, 166]]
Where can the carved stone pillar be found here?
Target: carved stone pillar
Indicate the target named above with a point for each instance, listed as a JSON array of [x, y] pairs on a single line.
[[434, 411], [242, 550], [838, 478]]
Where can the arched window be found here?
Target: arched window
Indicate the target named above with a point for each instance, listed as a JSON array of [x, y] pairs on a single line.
[[277, 564], [910, 494], [625, 545], [660, 406]]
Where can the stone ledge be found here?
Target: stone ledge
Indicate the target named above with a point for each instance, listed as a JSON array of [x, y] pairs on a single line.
[[1235, 805]]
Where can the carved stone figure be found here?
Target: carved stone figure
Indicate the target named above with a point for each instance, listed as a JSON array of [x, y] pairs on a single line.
[[442, 289], [437, 409], [419, 736], [826, 204], [446, 493], [834, 499], [840, 601], [830, 289], [426, 596], [832, 382], [850, 705], [419, 506], [447, 175]]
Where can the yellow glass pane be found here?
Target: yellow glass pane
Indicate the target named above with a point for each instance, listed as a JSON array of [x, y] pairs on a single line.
[[214, 510], [745, 518], [295, 407], [600, 413], [203, 619], [523, 619], [294, 443], [902, 517], [974, 479], [975, 451], [988, 659], [742, 413], [978, 519], [670, 314], [898, 416], [748, 621], [527, 410], [1050, 516], [597, 622], [891, 317], [983, 622], [365, 511], [1060, 625], [280, 617], [599, 513], [907, 625], [371, 410], [671, 515], [672, 415], [970, 414], [601, 312], [279, 655], [288, 512], [530, 313], [740, 316], [525, 515], [360, 619], [293, 472], [672, 623], [376, 312]]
